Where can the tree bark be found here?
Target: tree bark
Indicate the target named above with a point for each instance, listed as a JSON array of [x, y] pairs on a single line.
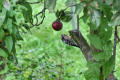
[[82, 43], [86, 49]]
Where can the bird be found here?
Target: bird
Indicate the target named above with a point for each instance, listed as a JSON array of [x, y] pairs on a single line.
[[68, 40]]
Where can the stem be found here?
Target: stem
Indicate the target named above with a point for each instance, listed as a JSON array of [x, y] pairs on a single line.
[[61, 66], [115, 41], [111, 76], [101, 74], [43, 16], [34, 2], [82, 43], [73, 17], [117, 34], [70, 6], [78, 22]]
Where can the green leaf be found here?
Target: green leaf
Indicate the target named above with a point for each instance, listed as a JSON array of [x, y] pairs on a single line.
[[96, 18], [14, 29], [107, 9], [115, 19], [11, 13], [7, 4], [57, 14], [3, 53], [92, 26], [1, 62], [93, 71], [18, 36], [2, 16], [108, 66], [50, 5], [107, 51], [116, 5], [5, 70], [79, 8], [27, 11], [66, 17], [109, 2], [2, 34], [1, 3], [9, 43], [60, 14], [8, 25], [85, 16], [70, 2], [105, 31], [26, 26], [95, 41]]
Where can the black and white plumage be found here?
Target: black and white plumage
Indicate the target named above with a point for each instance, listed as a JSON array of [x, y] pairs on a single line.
[[68, 40]]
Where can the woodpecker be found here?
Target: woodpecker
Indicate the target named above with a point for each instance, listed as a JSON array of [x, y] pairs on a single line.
[[68, 40]]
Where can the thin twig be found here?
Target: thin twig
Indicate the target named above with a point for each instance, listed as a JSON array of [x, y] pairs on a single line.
[[78, 22], [101, 73], [70, 6], [118, 37], [34, 2], [117, 34], [43, 16], [40, 12], [73, 18], [115, 41], [61, 66]]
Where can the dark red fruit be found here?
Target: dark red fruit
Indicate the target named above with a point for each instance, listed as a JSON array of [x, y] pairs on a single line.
[[57, 25]]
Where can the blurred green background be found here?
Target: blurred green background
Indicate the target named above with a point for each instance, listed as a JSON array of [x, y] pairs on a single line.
[[39, 52]]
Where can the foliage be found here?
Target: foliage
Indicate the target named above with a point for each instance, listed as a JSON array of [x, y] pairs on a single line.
[[15, 19]]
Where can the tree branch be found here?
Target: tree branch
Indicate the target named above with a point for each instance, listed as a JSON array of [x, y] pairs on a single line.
[[82, 43], [76, 39], [111, 76], [116, 34], [34, 2], [115, 42], [42, 16], [78, 22]]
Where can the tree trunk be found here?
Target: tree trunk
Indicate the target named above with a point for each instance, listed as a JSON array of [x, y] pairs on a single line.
[[87, 50]]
